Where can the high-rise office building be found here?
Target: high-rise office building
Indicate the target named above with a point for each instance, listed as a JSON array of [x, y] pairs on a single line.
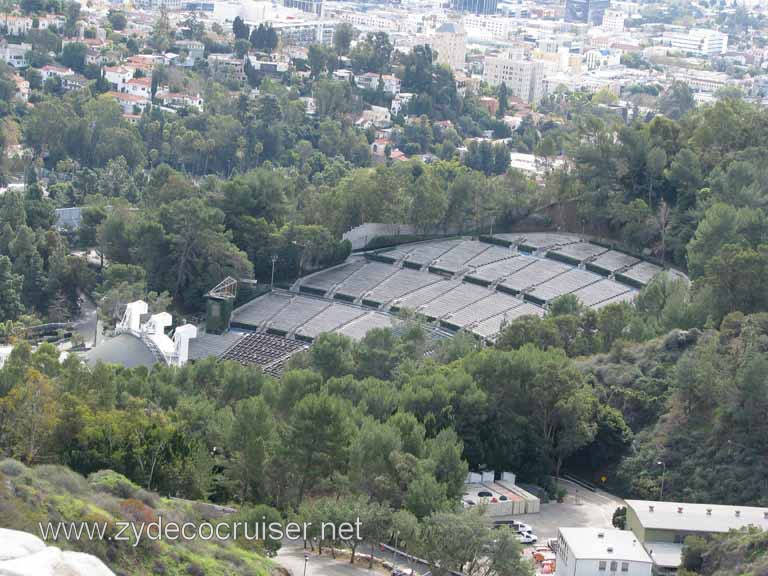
[[311, 6], [475, 6], [586, 11]]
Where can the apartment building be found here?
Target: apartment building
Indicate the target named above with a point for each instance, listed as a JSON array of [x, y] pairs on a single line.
[[524, 78], [697, 41], [305, 33], [613, 21], [450, 43]]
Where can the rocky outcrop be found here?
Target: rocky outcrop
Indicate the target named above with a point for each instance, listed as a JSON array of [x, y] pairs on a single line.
[[23, 554]]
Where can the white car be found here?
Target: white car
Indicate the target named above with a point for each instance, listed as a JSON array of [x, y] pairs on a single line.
[[527, 538], [521, 527]]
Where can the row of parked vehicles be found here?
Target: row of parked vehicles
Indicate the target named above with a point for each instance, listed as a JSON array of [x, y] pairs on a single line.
[[525, 533]]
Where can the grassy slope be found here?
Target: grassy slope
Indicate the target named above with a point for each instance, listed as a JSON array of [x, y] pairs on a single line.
[[43, 493]]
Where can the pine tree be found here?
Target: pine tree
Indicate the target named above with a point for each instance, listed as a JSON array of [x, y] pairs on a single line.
[[10, 289], [28, 263], [503, 101]]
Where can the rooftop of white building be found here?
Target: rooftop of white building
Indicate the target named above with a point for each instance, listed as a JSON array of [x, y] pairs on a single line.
[[599, 543], [697, 517]]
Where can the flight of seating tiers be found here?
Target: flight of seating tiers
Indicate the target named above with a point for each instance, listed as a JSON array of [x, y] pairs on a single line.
[[477, 285]]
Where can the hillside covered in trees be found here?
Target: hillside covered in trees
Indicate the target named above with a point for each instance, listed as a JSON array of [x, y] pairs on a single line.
[[385, 428]]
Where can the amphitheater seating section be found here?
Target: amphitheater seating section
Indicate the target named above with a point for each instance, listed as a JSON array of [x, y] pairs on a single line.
[[492, 254], [513, 239], [496, 271], [212, 345], [577, 252], [364, 279], [625, 297], [490, 327], [489, 306], [327, 279], [424, 254], [359, 327], [612, 261], [546, 241], [394, 254], [642, 272], [600, 292], [402, 282], [490, 284], [426, 294], [457, 257], [462, 295], [329, 319], [301, 309], [260, 310], [565, 283], [535, 274], [262, 349]]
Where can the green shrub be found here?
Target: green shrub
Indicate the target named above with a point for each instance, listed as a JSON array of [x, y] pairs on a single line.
[[113, 483], [62, 479], [11, 467]]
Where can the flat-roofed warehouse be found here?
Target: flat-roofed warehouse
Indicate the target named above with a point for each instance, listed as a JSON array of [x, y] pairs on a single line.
[[662, 527], [673, 521]]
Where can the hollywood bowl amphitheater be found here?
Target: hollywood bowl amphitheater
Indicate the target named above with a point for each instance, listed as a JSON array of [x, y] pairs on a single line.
[[455, 284]]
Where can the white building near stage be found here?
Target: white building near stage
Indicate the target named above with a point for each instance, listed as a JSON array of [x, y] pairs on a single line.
[[600, 552]]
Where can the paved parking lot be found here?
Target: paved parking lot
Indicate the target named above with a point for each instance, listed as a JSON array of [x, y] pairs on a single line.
[[580, 508]]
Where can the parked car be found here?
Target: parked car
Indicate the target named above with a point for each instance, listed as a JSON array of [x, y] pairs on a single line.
[[521, 527], [485, 494], [527, 538]]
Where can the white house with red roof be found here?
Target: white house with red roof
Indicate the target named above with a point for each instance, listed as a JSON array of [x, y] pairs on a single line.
[[117, 76], [139, 87], [128, 102], [51, 71]]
